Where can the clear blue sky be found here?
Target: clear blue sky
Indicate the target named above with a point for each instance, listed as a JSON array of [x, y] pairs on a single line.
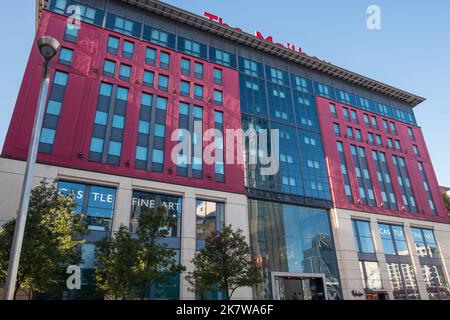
[[411, 51]]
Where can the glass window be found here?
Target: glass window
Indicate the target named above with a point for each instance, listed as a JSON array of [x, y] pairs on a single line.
[[218, 97], [184, 88], [185, 66], [217, 76], [118, 122], [71, 33], [210, 219], [149, 78], [393, 239], [141, 153], [122, 94], [163, 82], [160, 130], [161, 103], [113, 45], [97, 145], [337, 130], [435, 282], [158, 156], [115, 148], [47, 136], [128, 49], [363, 236], [150, 56], [61, 78], [198, 91], [371, 275], [198, 70], [164, 60], [146, 99], [144, 127], [403, 281], [305, 244], [125, 72], [54, 107], [65, 56], [333, 110], [101, 118], [109, 68]]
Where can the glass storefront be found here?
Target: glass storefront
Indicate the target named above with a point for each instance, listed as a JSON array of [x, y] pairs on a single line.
[[97, 203], [209, 219], [292, 239], [142, 202]]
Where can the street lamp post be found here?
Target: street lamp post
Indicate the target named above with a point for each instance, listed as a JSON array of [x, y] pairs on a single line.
[[48, 48]]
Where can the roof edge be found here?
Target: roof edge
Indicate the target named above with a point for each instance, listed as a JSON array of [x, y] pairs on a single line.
[[244, 38]]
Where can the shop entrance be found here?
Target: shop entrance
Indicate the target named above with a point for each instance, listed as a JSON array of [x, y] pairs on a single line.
[[292, 286]]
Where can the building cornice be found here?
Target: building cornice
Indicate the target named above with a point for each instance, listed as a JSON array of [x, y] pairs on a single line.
[[244, 38]]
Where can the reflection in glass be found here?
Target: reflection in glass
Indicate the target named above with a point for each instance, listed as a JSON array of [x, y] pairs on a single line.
[[144, 201], [371, 275], [210, 217], [435, 282], [403, 281], [287, 238]]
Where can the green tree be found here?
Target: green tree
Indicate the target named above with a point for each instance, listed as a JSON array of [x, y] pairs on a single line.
[[116, 257], [446, 201], [226, 263], [156, 261], [52, 241], [127, 266]]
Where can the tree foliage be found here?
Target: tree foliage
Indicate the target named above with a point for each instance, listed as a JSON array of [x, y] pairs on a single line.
[[127, 266], [225, 263], [446, 201], [52, 239]]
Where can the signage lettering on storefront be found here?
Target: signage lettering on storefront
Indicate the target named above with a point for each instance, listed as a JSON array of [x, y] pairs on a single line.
[[151, 203], [259, 35]]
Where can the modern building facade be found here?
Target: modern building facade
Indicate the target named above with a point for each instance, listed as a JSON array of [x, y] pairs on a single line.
[[354, 212]]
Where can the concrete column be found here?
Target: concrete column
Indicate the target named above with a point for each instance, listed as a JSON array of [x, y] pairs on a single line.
[[122, 211], [188, 242], [236, 214]]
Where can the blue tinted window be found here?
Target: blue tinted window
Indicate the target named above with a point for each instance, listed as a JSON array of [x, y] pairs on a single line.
[[163, 82], [105, 89], [113, 43], [141, 153], [115, 148], [218, 97], [61, 78], [66, 55], [122, 94], [109, 67], [144, 127], [118, 122], [160, 130], [128, 48], [101, 118], [97, 145], [218, 117], [146, 99], [54, 107], [158, 156], [47, 136], [149, 78], [125, 71], [161, 103]]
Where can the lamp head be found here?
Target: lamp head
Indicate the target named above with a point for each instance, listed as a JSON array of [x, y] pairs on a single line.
[[48, 46]]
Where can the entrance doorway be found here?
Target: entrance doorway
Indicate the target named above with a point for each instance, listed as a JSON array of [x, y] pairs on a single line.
[[291, 286]]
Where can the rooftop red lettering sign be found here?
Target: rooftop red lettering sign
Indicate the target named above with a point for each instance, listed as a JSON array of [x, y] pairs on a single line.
[[259, 35]]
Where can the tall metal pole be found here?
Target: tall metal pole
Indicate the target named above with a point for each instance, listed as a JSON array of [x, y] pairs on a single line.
[[26, 188]]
